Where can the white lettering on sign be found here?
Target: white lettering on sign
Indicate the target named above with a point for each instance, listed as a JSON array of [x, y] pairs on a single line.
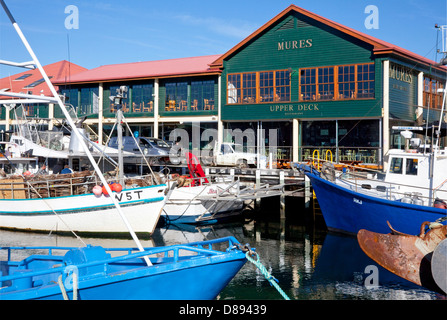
[[292, 108], [294, 44]]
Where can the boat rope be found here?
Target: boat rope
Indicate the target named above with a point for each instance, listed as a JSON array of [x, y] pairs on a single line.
[[270, 278], [75, 287]]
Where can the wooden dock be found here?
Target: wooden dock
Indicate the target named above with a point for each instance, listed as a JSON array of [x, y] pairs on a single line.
[[280, 182], [264, 182]]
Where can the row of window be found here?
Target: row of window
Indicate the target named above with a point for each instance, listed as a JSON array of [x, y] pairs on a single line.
[[180, 96], [258, 87], [315, 84], [200, 97]]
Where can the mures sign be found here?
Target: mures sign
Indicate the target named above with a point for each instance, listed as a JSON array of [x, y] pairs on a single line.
[[294, 44]]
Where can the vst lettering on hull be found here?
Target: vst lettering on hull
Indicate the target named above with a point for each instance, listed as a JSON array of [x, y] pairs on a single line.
[[128, 195]]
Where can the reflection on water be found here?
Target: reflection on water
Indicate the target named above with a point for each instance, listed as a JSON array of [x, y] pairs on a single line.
[[309, 263]]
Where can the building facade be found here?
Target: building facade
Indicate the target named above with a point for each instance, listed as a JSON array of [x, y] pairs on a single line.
[[327, 87], [305, 82]]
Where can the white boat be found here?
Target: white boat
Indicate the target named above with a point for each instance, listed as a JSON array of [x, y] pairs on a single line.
[[85, 213], [205, 203], [24, 205], [65, 203], [205, 199]]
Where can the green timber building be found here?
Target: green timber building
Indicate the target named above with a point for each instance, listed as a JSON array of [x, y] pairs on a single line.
[[320, 85]]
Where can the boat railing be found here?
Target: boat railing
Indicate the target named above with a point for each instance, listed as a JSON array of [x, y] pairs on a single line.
[[57, 185], [391, 190], [174, 252]]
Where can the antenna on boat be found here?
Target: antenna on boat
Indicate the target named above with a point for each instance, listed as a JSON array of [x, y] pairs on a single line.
[[442, 62], [56, 98]]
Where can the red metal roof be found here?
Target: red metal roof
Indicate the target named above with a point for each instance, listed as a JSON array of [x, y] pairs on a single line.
[[146, 69], [23, 82]]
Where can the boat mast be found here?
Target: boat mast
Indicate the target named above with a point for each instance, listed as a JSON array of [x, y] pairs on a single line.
[[121, 94], [436, 146], [73, 126], [443, 61]]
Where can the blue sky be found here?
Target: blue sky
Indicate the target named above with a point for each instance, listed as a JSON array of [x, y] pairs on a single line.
[[135, 30]]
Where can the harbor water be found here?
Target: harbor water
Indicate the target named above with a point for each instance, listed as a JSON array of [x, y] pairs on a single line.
[[309, 262]]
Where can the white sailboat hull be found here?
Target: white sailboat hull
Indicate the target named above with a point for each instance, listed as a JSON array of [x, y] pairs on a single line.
[[86, 213], [190, 204]]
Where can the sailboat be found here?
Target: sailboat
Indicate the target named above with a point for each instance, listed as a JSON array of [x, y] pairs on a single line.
[[193, 271]]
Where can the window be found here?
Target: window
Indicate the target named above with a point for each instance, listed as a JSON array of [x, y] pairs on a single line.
[[36, 83], [326, 83], [71, 96], [249, 88], [282, 85], [234, 88], [142, 99], [176, 96], [432, 98], [23, 77], [365, 81], [258, 87], [411, 167], [346, 82], [308, 88], [113, 92], [202, 95], [266, 88], [396, 165], [89, 102]]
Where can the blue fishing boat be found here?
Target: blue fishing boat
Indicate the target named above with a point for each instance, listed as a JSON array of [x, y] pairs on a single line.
[[195, 271], [412, 190], [348, 211]]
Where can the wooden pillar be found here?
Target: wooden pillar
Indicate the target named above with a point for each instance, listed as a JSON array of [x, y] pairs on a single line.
[[100, 112], [156, 106], [386, 107], [295, 140], [282, 197]]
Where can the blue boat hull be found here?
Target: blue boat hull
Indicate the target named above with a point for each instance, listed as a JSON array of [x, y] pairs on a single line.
[[201, 275], [348, 212]]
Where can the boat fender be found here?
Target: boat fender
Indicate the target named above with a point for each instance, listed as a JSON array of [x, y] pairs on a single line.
[[104, 190], [97, 190], [440, 204], [117, 187]]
